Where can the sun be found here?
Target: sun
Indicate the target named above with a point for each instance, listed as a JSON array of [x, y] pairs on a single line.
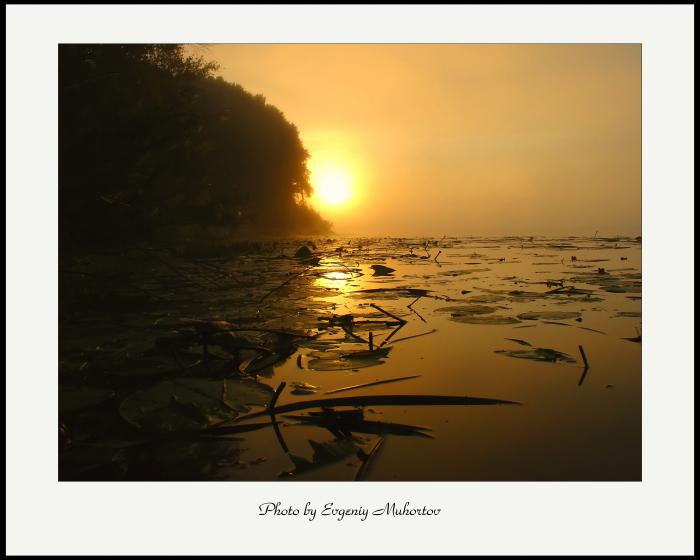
[[333, 184]]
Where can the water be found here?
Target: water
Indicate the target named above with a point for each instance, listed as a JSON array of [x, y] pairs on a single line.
[[573, 423]]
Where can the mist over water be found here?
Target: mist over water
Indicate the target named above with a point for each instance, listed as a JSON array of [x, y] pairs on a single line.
[[450, 139]]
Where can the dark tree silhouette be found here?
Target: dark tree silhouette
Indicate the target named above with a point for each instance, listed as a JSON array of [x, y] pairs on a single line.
[[151, 145]]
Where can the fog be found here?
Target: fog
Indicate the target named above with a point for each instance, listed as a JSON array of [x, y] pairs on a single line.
[[463, 139]]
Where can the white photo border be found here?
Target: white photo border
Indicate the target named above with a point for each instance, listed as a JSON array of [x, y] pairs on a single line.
[[48, 517]]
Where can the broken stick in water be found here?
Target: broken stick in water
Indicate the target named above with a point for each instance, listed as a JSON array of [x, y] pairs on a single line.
[[410, 305], [585, 365], [399, 319], [276, 396], [414, 336], [391, 334], [583, 355]]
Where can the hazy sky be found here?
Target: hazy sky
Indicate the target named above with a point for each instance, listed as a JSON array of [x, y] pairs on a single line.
[[463, 139]]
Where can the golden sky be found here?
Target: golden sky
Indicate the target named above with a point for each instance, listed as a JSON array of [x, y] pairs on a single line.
[[460, 139]]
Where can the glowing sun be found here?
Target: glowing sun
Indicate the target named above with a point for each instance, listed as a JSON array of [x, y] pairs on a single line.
[[332, 184]]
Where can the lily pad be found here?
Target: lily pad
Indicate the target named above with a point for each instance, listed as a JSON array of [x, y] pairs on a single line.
[[381, 270], [486, 320], [303, 252], [519, 341], [335, 364], [539, 355], [301, 388], [462, 272], [485, 298], [190, 404], [324, 454], [461, 310], [334, 361], [549, 315], [477, 315]]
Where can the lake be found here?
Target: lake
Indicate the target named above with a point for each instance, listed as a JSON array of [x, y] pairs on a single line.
[[162, 354]]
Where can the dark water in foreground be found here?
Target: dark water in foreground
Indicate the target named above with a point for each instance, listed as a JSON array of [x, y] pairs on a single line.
[[496, 318]]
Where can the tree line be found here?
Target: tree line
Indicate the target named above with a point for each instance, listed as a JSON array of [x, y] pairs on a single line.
[[153, 146]]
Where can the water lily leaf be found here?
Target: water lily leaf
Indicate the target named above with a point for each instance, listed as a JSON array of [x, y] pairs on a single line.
[[462, 310], [264, 361], [381, 270], [301, 388], [303, 252], [319, 364], [519, 341], [462, 272], [342, 359], [191, 404], [365, 354], [550, 315], [484, 298], [486, 320], [477, 315], [325, 453], [539, 355]]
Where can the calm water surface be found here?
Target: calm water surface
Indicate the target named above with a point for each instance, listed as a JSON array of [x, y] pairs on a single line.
[[487, 306]]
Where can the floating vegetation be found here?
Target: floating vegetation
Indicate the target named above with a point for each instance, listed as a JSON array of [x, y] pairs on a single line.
[[549, 315], [302, 388], [539, 355], [477, 315], [382, 270], [325, 453], [485, 298], [485, 319], [461, 310], [462, 272], [190, 404], [167, 361], [389, 293], [334, 361], [303, 252], [519, 341]]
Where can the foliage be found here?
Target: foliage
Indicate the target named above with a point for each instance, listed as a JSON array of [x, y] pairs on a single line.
[[152, 145]]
